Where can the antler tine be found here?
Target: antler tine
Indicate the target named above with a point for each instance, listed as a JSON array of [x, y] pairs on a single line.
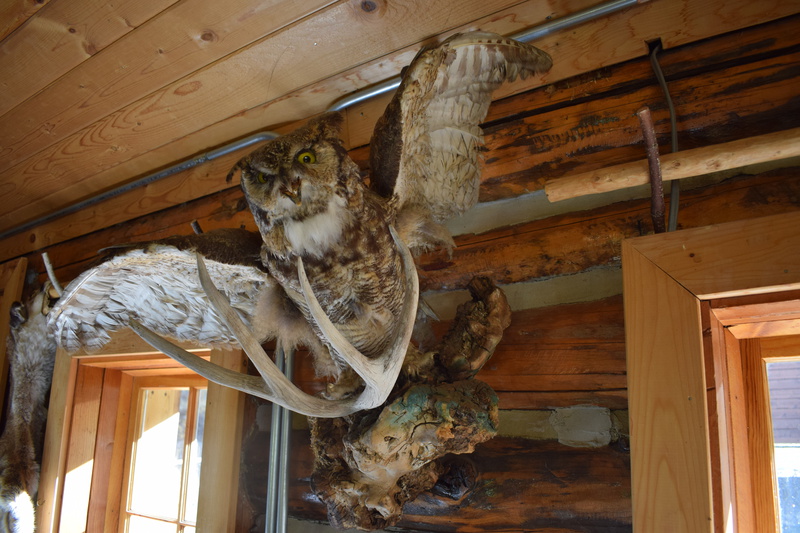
[[378, 374], [283, 392], [217, 374]]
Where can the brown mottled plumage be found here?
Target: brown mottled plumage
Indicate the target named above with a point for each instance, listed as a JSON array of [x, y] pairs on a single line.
[[309, 201], [320, 211]]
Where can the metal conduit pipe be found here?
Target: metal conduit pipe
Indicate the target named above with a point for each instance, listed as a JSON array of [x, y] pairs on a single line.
[[391, 84], [275, 462], [141, 182], [286, 434], [537, 32]]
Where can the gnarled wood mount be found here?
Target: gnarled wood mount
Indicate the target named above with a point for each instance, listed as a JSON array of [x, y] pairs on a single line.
[[369, 464]]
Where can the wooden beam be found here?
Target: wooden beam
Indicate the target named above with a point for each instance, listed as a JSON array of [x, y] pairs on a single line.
[[670, 456], [56, 439], [219, 477], [764, 256], [679, 165], [12, 281], [79, 466]]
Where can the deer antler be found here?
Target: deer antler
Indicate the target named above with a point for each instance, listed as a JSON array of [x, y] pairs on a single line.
[[379, 374]]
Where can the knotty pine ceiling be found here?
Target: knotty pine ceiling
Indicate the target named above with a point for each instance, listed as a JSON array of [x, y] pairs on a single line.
[[99, 93]]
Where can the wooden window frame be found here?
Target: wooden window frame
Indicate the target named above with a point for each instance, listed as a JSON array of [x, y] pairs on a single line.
[[700, 305], [75, 399], [158, 382]]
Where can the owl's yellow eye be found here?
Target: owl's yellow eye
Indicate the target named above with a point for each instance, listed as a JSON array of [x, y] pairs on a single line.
[[261, 177], [306, 157]]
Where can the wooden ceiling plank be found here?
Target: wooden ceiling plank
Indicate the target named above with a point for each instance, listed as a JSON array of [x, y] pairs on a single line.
[[14, 13], [61, 37], [180, 41], [104, 135]]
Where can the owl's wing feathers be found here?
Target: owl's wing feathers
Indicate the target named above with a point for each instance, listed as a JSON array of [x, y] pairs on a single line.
[[425, 150], [157, 284]]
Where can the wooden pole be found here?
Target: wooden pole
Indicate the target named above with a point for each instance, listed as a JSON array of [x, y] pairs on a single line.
[[679, 165]]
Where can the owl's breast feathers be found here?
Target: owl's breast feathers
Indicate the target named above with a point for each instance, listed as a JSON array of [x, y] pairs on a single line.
[[357, 275]]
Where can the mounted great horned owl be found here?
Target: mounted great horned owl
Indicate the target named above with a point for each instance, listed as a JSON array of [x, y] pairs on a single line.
[[333, 251]]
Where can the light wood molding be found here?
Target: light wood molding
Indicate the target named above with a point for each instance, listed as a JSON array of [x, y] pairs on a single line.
[[12, 281], [680, 165], [219, 478], [668, 280]]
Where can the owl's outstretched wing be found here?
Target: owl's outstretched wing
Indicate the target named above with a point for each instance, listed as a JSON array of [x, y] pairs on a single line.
[[425, 150], [157, 284]]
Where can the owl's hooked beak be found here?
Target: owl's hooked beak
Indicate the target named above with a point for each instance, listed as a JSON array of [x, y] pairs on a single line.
[[292, 193]]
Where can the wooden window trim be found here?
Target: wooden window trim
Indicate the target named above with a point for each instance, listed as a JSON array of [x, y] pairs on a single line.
[[70, 398], [688, 463]]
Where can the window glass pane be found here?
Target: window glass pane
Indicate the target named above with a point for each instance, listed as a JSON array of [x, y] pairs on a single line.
[[195, 458], [138, 524], [158, 454], [784, 393], [189, 529]]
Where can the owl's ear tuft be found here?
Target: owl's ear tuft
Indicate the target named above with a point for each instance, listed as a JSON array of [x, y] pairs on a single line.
[[327, 126]]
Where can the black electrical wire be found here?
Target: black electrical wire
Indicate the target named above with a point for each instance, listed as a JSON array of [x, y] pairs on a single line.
[[675, 187]]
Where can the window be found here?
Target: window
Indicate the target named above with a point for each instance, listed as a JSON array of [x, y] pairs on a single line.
[[99, 422], [164, 457], [784, 395]]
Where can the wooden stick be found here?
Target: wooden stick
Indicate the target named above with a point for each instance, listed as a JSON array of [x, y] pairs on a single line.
[[679, 165], [654, 169]]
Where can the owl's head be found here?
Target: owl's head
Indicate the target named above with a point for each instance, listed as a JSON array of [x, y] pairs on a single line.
[[298, 175]]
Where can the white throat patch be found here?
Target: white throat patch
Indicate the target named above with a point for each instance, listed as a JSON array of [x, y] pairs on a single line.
[[316, 234]]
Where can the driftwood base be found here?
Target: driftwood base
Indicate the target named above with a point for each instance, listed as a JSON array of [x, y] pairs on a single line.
[[368, 465]]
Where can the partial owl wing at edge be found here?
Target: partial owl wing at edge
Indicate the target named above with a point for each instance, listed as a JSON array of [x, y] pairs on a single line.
[[425, 150], [157, 284]]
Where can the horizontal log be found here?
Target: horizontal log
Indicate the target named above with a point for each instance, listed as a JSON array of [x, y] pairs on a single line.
[[722, 104], [556, 356], [575, 242], [522, 485], [680, 165]]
